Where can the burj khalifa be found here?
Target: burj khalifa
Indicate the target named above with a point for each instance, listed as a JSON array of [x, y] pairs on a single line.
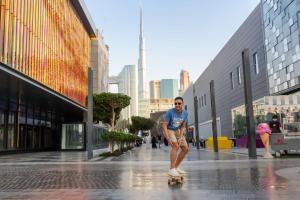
[[142, 67]]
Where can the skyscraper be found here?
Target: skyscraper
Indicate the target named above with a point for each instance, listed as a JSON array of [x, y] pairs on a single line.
[[154, 89], [144, 102], [184, 80], [128, 85], [142, 68], [168, 88]]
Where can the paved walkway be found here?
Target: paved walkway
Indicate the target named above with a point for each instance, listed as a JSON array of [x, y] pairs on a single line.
[[141, 174]]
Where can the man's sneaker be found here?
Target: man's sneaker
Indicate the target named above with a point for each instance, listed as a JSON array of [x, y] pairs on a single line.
[[267, 155], [180, 171], [173, 172]]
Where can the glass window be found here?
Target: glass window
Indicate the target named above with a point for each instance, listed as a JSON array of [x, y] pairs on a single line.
[[11, 131], [2, 128], [255, 62], [231, 80], [238, 69], [72, 136], [205, 99], [202, 101]]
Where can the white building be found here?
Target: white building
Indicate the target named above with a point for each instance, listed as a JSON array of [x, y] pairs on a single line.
[[100, 63], [127, 82], [155, 89]]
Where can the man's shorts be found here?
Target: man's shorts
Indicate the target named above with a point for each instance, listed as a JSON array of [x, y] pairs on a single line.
[[174, 137]]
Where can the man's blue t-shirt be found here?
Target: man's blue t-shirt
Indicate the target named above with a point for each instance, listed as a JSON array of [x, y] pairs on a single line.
[[174, 119]]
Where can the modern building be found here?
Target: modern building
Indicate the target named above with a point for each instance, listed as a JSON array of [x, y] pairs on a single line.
[[168, 88], [128, 84], [144, 108], [143, 85], [142, 65], [226, 71], [100, 64], [271, 33], [158, 105], [281, 20], [184, 81], [155, 89], [45, 51]]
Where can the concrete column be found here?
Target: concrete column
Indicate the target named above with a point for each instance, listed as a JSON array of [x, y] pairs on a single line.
[[249, 105], [214, 115], [90, 114], [196, 117]]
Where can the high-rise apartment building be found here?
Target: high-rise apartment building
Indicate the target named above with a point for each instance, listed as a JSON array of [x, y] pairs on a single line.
[[155, 89], [184, 80], [168, 88]]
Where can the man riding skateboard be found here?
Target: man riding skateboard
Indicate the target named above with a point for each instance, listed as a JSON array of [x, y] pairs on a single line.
[[174, 125]]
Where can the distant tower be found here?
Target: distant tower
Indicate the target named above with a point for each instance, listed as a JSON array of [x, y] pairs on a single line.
[[142, 68], [184, 80]]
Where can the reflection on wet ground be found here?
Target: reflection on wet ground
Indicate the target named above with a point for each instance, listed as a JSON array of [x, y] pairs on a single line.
[[141, 174]]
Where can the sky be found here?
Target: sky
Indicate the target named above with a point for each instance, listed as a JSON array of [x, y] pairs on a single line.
[[179, 34]]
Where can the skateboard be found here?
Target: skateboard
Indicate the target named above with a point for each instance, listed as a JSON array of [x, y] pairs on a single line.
[[175, 180]]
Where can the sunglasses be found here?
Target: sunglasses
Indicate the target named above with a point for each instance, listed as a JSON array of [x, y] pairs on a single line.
[[177, 103]]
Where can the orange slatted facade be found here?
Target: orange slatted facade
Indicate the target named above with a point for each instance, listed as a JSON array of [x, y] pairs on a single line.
[[46, 40]]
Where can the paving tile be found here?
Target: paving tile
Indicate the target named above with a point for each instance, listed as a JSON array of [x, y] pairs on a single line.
[[142, 174]]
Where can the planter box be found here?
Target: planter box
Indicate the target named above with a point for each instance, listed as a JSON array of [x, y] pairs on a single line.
[[242, 142], [223, 143]]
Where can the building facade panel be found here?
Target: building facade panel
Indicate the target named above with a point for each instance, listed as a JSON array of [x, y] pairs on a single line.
[[45, 49], [281, 29], [46, 41]]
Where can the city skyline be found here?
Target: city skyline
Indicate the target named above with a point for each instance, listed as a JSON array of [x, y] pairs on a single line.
[[167, 53]]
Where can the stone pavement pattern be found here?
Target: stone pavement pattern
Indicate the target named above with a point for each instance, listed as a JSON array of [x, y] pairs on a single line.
[[141, 174]]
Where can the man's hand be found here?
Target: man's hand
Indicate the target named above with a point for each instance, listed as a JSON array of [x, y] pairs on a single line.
[[180, 140], [170, 142]]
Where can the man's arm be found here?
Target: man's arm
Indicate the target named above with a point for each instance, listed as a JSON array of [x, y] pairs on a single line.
[[182, 128], [165, 131]]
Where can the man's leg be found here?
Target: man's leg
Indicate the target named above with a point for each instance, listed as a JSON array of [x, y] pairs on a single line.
[[173, 154], [174, 148], [182, 154]]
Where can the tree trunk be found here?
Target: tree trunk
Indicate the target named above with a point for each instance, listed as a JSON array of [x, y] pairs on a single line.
[[113, 119], [111, 146]]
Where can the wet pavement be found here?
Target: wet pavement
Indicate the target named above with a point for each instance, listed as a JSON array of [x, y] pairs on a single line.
[[141, 174]]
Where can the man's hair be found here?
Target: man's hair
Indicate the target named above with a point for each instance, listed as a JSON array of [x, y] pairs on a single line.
[[275, 116], [179, 98]]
